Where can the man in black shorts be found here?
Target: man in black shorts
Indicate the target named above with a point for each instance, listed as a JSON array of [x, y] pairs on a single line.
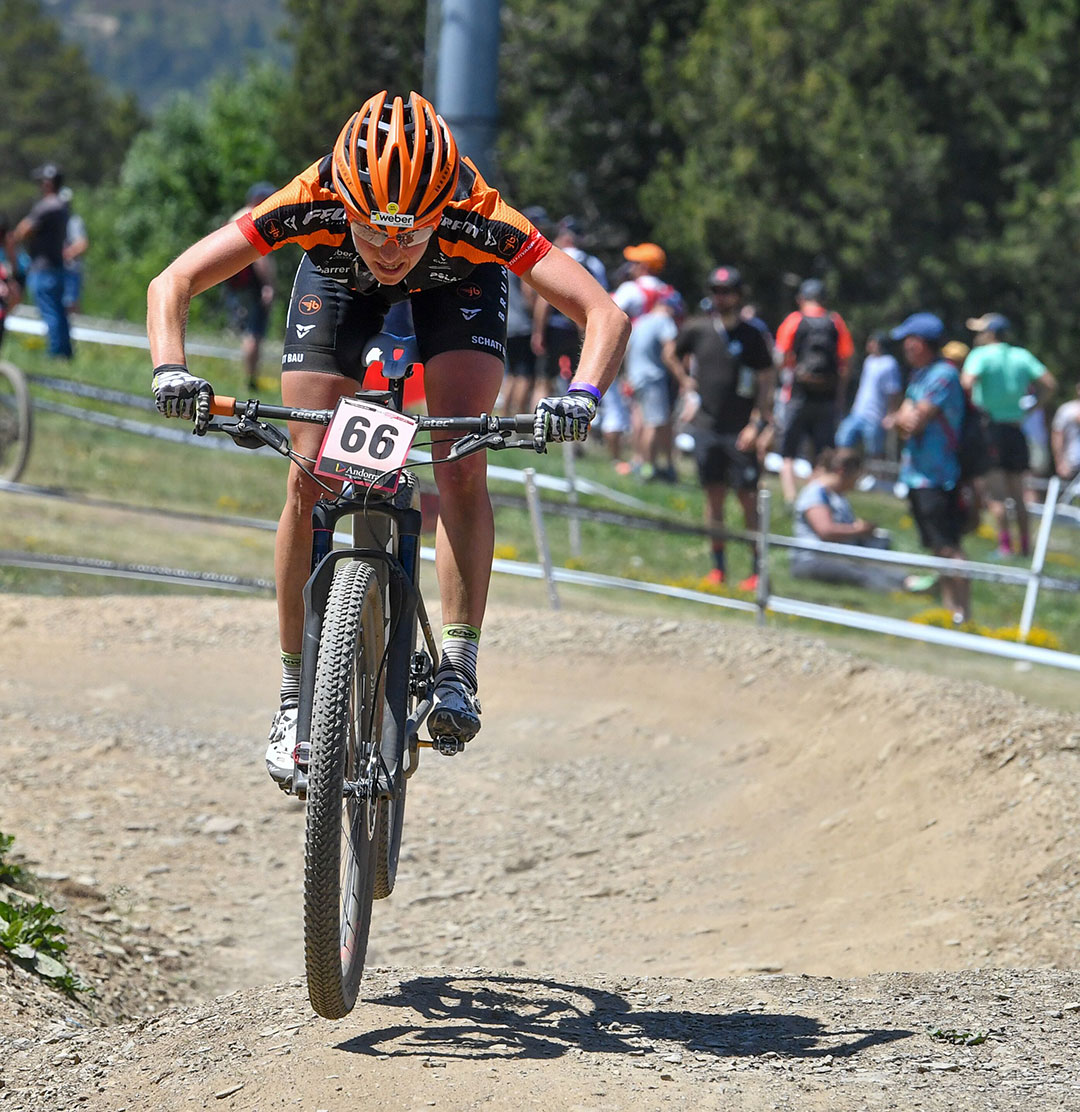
[[732, 366], [394, 212]]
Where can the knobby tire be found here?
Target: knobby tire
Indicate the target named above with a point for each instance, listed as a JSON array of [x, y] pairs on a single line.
[[341, 849]]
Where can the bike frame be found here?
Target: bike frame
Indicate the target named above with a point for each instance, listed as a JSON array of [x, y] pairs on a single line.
[[386, 534]]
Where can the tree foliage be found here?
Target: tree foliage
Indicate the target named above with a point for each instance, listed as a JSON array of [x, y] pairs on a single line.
[[914, 154], [344, 51], [581, 126], [55, 108], [182, 178]]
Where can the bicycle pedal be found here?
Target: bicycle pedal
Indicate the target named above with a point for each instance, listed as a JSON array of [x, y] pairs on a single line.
[[449, 746]]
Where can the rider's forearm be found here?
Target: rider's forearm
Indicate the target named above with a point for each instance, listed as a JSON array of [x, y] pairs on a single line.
[[607, 328], [167, 302]]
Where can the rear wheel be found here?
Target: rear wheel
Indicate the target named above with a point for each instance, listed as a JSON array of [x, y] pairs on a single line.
[[344, 813], [15, 422]]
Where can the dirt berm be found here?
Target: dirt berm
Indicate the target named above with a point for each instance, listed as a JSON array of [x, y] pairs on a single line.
[[685, 865]]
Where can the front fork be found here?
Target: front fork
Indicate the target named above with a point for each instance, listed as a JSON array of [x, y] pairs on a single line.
[[404, 675]]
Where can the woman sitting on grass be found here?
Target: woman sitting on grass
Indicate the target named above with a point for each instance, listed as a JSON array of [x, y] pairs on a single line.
[[823, 513]]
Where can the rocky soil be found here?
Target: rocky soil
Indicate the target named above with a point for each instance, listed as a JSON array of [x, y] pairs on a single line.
[[634, 891]]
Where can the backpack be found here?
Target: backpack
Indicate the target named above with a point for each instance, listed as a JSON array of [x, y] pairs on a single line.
[[816, 363], [973, 446]]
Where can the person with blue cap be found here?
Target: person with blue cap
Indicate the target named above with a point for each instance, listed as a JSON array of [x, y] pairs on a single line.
[[929, 420], [1002, 379]]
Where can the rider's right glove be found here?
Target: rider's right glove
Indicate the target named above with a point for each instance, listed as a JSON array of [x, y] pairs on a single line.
[[176, 389], [565, 417]]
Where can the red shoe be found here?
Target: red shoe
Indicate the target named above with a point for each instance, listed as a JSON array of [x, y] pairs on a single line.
[[750, 583], [715, 577]]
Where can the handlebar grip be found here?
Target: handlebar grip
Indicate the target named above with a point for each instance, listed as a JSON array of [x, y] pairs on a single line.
[[523, 422], [222, 406]]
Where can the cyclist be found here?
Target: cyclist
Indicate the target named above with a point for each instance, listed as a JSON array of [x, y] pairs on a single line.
[[394, 212]]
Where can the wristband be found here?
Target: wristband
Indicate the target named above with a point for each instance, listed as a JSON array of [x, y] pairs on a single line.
[[171, 367], [585, 388]]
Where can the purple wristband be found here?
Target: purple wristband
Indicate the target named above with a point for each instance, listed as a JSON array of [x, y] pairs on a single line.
[[585, 388]]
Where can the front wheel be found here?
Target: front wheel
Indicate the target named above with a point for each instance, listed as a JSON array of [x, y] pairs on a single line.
[[344, 813], [16, 427]]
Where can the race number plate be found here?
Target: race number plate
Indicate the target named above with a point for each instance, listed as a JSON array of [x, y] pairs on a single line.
[[366, 444]]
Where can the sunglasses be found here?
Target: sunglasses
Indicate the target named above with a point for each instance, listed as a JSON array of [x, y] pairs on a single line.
[[376, 237]]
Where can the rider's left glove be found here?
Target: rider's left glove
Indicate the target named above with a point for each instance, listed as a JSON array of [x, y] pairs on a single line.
[[565, 417], [176, 390]]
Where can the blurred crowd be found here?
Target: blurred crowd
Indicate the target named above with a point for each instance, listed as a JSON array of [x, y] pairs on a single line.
[[957, 424]]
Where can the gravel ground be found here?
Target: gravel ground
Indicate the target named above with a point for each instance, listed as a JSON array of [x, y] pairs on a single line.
[[636, 896]]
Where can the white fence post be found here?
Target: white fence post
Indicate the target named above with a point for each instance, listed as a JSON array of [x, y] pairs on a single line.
[[572, 497], [540, 534], [764, 506], [1053, 488]]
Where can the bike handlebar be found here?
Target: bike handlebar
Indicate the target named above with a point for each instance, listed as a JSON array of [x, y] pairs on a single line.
[[223, 406]]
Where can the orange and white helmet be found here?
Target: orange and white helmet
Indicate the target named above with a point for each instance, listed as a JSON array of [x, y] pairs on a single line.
[[395, 164]]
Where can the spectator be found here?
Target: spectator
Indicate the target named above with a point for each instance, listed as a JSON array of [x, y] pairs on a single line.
[[823, 513], [520, 357], [43, 231], [1065, 438], [999, 376], [880, 389], [10, 290], [555, 336], [816, 345], [642, 286], [76, 243], [929, 419], [250, 293], [651, 365], [955, 352], [731, 365]]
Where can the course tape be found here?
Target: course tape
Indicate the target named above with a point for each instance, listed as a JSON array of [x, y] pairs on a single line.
[[88, 565], [968, 570]]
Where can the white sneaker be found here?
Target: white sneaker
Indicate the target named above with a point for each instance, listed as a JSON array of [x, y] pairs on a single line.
[[456, 713], [281, 753]]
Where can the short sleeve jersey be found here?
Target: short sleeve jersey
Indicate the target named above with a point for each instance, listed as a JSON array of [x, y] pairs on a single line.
[[929, 459], [726, 365], [1002, 374], [880, 379], [644, 349], [477, 226]]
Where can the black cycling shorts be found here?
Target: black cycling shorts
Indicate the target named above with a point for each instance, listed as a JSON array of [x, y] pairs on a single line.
[[329, 326]]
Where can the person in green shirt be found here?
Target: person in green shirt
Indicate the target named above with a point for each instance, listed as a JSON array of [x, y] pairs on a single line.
[[1000, 378]]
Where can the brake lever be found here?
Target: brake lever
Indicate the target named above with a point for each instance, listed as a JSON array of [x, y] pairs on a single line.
[[477, 442], [247, 433]]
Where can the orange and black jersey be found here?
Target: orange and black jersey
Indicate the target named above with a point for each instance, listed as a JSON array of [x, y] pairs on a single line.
[[477, 226]]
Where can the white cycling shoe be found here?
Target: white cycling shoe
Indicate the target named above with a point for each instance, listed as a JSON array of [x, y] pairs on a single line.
[[281, 752], [456, 713]]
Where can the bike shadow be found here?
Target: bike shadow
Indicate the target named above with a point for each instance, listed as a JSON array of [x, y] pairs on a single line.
[[508, 1018]]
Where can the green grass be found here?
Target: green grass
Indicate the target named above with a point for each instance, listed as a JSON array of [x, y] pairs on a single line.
[[84, 459]]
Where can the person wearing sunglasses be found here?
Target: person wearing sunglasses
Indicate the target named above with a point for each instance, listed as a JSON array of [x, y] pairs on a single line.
[[394, 212]]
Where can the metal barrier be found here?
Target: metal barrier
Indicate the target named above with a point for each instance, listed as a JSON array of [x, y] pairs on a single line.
[[1033, 579]]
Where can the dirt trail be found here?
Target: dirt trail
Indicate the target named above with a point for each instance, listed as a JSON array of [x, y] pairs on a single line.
[[649, 800]]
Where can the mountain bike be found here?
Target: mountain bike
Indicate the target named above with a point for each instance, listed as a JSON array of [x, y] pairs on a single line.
[[368, 662], [16, 422]]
